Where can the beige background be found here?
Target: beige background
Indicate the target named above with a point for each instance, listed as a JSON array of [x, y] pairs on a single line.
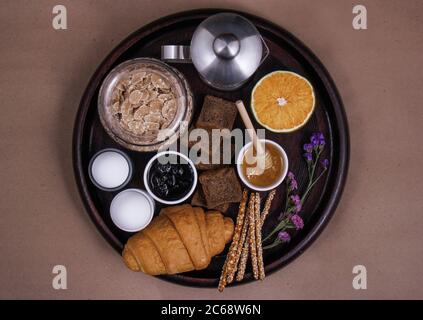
[[378, 222]]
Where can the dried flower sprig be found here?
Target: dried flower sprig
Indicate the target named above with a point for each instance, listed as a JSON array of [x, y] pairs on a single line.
[[313, 151], [290, 218]]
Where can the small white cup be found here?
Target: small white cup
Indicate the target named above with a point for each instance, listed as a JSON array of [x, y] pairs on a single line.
[[148, 167], [131, 210], [245, 180], [110, 169]]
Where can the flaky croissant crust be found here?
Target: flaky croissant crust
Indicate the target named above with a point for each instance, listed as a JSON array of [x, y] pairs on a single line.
[[182, 238]]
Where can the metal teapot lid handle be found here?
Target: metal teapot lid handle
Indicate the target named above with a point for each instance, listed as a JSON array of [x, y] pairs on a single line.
[[176, 53], [266, 51]]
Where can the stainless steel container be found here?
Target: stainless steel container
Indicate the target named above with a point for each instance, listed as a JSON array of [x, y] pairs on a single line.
[[226, 49]]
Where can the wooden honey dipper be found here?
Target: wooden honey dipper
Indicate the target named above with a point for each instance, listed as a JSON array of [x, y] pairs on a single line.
[[258, 145]]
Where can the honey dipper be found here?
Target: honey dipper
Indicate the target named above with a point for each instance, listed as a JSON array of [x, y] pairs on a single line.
[[258, 145]]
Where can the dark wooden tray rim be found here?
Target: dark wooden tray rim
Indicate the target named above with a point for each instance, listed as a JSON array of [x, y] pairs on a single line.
[[340, 172]]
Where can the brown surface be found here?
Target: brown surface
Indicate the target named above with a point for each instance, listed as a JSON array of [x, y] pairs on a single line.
[[378, 222]]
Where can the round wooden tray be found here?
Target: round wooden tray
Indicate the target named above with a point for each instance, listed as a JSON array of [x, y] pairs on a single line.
[[286, 53]]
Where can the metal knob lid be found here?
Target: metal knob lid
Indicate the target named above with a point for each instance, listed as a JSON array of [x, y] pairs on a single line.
[[226, 46], [226, 50]]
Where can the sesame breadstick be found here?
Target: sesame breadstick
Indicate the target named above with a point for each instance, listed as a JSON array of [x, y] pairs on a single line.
[[222, 280], [229, 262], [252, 238], [243, 260], [238, 251], [267, 205], [258, 238], [245, 250]]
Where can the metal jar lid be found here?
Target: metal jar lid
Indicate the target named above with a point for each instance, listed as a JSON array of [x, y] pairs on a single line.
[[226, 49]]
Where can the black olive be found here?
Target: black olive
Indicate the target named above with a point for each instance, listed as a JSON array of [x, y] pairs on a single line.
[[175, 169], [181, 171], [170, 181], [173, 181]]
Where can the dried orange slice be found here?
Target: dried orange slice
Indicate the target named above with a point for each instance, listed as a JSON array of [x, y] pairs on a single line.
[[282, 101]]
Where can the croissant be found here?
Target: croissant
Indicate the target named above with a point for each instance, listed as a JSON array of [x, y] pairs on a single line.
[[182, 238]]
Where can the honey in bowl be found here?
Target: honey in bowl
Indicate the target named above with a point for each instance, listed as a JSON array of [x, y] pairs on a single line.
[[268, 175]]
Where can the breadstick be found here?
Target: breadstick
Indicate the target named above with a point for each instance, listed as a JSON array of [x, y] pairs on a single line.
[[258, 238], [238, 252], [252, 238], [245, 250], [267, 205], [237, 232], [222, 280], [229, 262], [243, 261]]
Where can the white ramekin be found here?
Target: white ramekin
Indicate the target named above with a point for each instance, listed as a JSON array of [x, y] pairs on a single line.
[[120, 153], [148, 167], [131, 222], [244, 179]]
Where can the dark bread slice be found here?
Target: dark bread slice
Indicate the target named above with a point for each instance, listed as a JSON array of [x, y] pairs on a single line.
[[217, 113], [198, 200], [210, 165], [213, 150], [220, 186], [222, 207]]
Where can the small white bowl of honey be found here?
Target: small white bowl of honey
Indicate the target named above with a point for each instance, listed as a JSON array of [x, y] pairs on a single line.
[[262, 177]]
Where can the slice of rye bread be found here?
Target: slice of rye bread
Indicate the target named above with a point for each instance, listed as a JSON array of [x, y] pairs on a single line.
[[211, 149], [217, 113], [220, 186], [199, 201], [210, 165]]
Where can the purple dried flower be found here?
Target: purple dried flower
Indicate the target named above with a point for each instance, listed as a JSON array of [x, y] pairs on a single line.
[[293, 185], [325, 163], [314, 140], [284, 236], [296, 202], [308, 147], [295, 199], [318, 140], [298, 207], [308, 157], [297, 221]]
